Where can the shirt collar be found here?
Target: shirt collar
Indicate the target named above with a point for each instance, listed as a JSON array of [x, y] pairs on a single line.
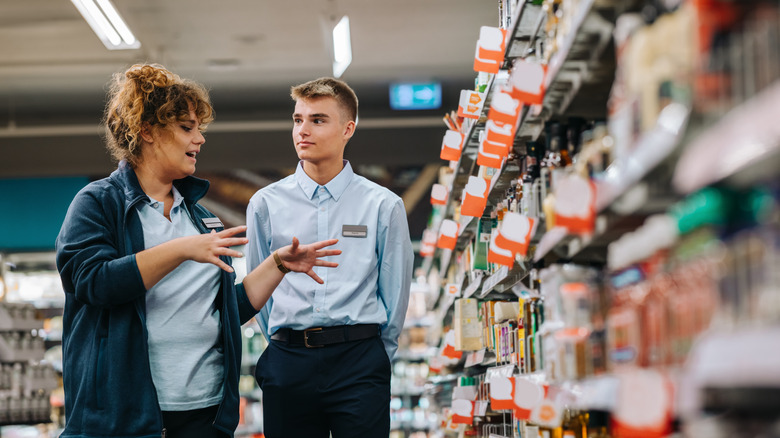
[[159, 205], [191, 188], [177, 197], [335, 187]]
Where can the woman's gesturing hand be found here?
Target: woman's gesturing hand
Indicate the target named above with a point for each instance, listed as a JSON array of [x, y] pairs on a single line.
[[206, 248], [303, 258]]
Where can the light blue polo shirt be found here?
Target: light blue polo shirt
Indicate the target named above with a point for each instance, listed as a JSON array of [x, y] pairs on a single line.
[[185, 344]]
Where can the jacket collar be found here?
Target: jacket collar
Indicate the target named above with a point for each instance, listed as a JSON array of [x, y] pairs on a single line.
[[191, 188]]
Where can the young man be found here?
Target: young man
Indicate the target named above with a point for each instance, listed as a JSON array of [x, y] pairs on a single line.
[[327, 366]]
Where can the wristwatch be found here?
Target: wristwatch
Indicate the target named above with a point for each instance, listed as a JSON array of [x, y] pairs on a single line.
[[279, 264]]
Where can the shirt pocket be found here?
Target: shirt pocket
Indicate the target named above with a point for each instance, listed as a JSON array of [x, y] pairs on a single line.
[[358, 255]]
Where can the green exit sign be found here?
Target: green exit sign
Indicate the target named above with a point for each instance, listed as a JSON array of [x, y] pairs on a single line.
[[415, 96]]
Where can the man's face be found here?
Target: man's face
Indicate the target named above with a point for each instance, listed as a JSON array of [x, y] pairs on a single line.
[[320, 131]]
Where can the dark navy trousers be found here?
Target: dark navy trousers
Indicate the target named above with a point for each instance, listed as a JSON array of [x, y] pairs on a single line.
[[192, 424], [343, 389]]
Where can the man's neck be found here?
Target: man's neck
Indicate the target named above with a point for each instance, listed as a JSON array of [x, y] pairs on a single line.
[[323, 173]]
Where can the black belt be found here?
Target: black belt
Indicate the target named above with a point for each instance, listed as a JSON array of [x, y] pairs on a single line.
[[322, 336]]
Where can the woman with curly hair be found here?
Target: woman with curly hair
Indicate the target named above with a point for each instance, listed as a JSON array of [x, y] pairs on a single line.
[[151, 342]]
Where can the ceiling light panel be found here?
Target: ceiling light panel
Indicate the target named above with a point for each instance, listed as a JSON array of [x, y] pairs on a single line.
[[342, 47], [108, 25]]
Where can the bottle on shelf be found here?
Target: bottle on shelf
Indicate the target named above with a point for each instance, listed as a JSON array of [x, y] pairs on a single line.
[[575, 424], [598, 424]]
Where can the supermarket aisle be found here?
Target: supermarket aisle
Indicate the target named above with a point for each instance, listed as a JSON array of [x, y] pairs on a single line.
[[607, 226], [600, 258]]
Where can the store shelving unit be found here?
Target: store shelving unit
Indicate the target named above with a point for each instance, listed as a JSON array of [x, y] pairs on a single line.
[[526, 28], [747, 142], [579, 61], [28, 374], [676, 149], [25, 383]]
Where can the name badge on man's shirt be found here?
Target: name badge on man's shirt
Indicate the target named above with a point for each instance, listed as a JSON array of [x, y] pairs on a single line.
[[354, 231], [212, 222]]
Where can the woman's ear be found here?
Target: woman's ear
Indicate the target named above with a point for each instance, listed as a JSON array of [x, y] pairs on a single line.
[[146, 132]]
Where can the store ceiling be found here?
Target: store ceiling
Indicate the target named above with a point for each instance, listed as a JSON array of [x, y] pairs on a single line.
[[54, 71]]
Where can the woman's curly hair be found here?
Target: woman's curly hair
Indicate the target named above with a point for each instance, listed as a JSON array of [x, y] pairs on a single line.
[[149, 93]]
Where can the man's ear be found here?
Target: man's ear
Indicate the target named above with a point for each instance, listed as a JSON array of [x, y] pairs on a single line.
[[146, 132], [349, 129]]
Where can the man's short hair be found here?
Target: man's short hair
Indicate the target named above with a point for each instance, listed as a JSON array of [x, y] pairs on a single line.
[[329, 87]]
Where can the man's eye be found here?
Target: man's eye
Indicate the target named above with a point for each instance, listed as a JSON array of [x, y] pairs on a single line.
[[186, 128]]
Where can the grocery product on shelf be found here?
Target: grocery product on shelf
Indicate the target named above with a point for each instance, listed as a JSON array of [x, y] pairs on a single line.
[[26, 382]]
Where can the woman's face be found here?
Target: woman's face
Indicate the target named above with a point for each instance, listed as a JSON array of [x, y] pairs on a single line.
[[174, 149]]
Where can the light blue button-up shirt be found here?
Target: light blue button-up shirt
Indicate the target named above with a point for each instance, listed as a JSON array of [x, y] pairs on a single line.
[[370, 285]]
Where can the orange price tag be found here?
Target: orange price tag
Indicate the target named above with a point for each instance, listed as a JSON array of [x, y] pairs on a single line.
[[449, 346], [516, 233], [527, 81], [489, 53], [502, 392], [504, 108], [474, 197], [575, 204], [488, 159], [452, 145], [501, 133], [528, 395], [498, 254], [462, 411], [644, 404], [470, 104], [448, 234], [438, 194]]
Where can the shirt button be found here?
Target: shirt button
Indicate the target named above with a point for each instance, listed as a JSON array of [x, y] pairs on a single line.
[[322, 209], [155, 205], [318, 309]]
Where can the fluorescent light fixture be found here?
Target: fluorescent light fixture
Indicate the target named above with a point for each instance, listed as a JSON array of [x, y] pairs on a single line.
[[103, 18], [342, 47]]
